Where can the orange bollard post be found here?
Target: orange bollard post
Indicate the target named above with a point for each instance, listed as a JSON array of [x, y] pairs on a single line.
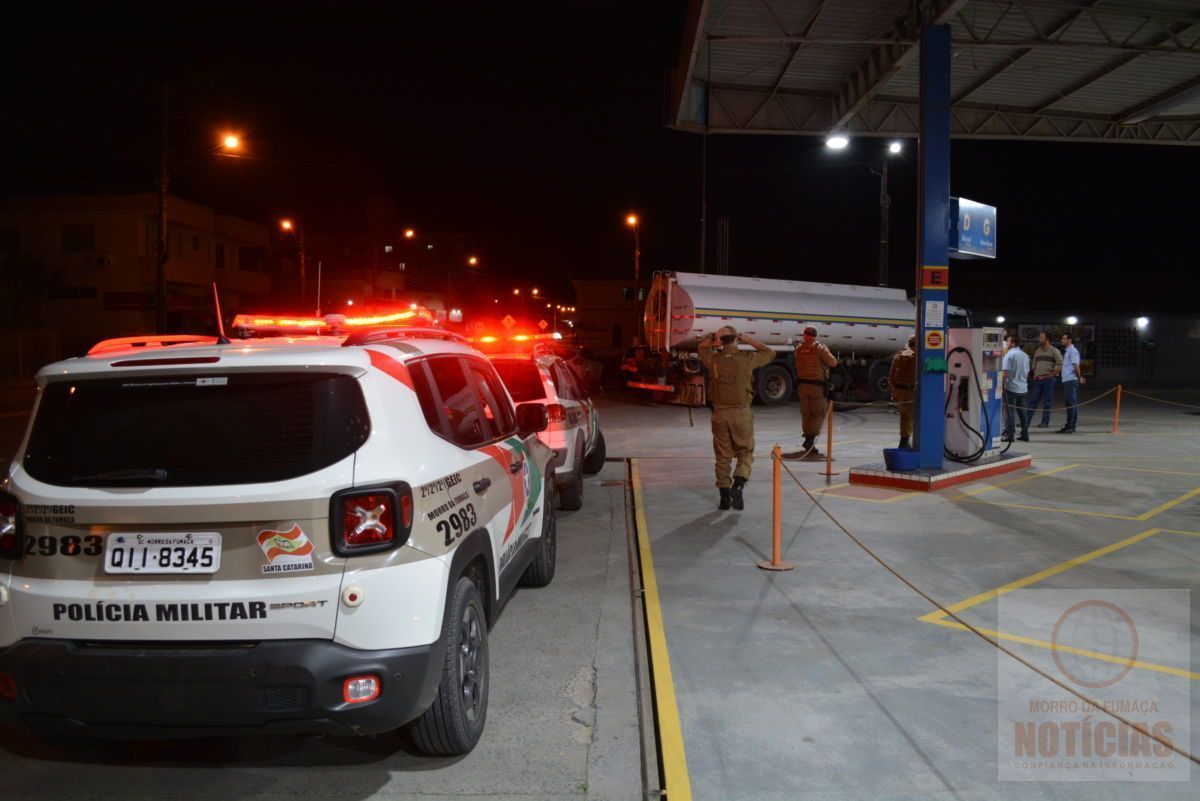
[[776, 562], [1117, 413], [828, 471]]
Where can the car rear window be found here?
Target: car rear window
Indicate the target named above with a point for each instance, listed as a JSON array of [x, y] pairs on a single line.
[[523, 379], [195, 430]]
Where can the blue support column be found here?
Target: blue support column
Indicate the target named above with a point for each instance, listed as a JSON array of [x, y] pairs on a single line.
[[933, 247]]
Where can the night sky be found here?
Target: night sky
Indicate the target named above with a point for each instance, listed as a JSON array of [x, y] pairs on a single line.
[[532, 129]]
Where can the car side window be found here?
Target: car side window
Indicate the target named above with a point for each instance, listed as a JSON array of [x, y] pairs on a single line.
[[427, 395], [497, 409], [562, 382], [461, 415]]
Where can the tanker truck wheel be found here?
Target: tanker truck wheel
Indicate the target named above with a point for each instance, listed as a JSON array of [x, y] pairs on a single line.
[[877, 381], [774, 386]]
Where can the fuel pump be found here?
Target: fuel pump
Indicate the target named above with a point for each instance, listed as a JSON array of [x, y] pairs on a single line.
[[973, 396]]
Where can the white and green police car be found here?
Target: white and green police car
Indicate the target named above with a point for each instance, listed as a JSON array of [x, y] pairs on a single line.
[[277, 535]]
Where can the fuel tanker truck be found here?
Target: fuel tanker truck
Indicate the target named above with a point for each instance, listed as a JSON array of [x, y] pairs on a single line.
[[864, 326]]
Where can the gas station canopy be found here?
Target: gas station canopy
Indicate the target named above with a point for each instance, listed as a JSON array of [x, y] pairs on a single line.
[[1061, 70]]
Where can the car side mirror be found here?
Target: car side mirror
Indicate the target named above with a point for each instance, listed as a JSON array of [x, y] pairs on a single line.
[[532, 418]]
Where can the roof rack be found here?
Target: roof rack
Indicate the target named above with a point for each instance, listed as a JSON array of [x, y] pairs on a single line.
[[372, 335], [150, 341]]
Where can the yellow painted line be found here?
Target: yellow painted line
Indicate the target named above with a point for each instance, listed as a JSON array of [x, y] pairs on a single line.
[[1029, 477], [1187, 533], [1067, 649], [1138, 469], [975, 600], [1049, 509], [678, 785], [1157, 510]]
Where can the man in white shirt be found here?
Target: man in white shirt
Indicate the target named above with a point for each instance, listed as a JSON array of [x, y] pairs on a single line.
[[1071, 380], [1014, 381]]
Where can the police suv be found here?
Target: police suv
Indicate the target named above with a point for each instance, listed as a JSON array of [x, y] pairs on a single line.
[[274, 535], [574, 431]]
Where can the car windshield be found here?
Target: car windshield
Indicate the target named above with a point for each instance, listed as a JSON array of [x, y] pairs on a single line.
[[523, 379], [194, 430]]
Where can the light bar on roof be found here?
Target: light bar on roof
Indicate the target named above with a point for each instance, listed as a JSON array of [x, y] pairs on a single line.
[[263, 322]]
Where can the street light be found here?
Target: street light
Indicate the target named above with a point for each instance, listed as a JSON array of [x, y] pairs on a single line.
[[633, 222], [1000, 318], [1143, 322], [409, 233], [534, 292], [161, 251], [293, 228], [837, 142], [895, 147], [472, 260], [1072, 320]]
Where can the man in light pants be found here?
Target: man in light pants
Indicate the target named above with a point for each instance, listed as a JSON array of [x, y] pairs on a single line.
[[1013, 378], [1071, 380]]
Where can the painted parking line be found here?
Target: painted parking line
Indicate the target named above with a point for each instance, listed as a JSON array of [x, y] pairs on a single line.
[[678, 784], [969, 497], [940, 618]]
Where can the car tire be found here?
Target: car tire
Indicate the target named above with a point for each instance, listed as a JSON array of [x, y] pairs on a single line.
[[453, 724], [774, 386], [570, 495], [594, 462], [541, 570]]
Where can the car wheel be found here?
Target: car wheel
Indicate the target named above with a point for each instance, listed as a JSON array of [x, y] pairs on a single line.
[[594, 462], [570, 495], [541, 570], [453, 724]]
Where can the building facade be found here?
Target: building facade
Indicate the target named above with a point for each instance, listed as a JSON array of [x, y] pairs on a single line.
[[83, 268]]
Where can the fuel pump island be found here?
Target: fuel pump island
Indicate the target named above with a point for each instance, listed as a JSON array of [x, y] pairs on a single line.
[[960, 399]]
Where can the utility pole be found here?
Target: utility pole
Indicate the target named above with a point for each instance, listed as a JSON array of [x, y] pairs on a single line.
[[637, 253], [161, 245]]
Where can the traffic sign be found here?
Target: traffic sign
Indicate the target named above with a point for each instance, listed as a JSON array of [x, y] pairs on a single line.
[[542, 324], [933, 339], [508, 321]]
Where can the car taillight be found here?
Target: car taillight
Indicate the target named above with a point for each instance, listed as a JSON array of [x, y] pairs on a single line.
[[8, 687], [372, 519], [368, 520], [10, 527], [556, 413]]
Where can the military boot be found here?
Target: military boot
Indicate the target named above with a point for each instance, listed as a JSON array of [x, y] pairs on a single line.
[[725, 499], [735, 493], [904, 442]]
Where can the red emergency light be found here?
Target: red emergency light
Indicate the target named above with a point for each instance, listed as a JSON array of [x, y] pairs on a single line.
[[331, 322]]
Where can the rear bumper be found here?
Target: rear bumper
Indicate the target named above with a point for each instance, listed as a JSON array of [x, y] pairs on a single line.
[[148, 690]]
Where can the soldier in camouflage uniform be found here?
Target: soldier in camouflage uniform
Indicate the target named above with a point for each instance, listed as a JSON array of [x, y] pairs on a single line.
[[731, 388]]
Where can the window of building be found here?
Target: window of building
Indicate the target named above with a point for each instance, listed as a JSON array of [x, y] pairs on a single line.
[[220, 256], [195, 244], [77, 238]]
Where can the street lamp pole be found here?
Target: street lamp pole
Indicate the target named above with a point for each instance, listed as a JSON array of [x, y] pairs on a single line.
[[297, 230], [636, 224]]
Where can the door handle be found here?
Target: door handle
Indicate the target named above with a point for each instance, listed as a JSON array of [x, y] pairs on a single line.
[[515, 467], [481, 485]]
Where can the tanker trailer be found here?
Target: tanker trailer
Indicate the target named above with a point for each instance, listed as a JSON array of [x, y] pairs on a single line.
[[864, 326]]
